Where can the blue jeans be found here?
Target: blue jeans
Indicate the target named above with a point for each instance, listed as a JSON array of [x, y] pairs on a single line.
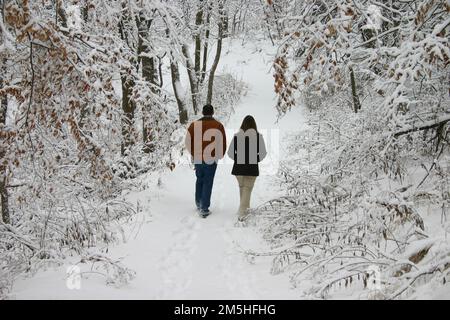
[[203, 187]]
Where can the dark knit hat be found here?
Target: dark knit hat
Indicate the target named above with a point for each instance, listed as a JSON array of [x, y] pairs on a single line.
[[208, 110]]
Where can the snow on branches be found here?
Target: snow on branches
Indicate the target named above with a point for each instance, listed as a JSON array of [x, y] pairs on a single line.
[[85, 109], [369, 182], [403, 51], [63, 125]]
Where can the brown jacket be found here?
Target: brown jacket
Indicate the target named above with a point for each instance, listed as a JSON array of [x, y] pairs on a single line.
[[206, 140]]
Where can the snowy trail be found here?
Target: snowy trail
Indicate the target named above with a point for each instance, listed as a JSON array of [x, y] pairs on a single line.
[[176, 254]]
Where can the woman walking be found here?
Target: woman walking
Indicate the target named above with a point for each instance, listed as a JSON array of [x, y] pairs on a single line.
[[247, 149]]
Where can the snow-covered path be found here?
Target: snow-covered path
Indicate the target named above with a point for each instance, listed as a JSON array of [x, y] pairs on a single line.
[[176, 254]]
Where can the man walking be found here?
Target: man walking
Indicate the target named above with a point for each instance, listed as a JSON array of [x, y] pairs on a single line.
[[206, 142]]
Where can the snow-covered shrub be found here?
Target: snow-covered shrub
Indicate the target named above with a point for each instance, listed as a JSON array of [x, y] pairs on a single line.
[[228, 90], [114, 271], [68, 143], [370, 187], [355, 201]]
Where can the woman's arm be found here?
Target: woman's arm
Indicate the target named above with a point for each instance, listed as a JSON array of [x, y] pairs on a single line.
[[231, 151], [262, 148]]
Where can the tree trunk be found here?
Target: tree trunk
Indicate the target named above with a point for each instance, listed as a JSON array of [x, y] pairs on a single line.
[[4, 201], [233, 29], [3, 188], [160, 73], [205, 47], [244, 20], [225, 24], [4, 198], [3, 106], [61, 14], [217, 56], [239, 19], [266, 19], [128, 108], [356, 103], [85, 11], [148, 73], [192, 78], [128, 105], [198, 42], [176, 84], [276, 20]]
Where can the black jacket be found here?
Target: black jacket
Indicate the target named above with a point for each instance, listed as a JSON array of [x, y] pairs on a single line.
[[247, 150]]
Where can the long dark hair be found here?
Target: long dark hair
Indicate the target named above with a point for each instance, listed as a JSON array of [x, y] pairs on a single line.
[[249, 123]]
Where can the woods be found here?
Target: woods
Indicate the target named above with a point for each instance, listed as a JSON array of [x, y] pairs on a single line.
[[84, 109], [94, 95]]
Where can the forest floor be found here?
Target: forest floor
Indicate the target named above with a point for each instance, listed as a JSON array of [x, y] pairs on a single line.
[[175, 253]]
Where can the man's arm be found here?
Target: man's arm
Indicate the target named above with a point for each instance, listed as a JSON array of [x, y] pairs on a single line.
[[231, 151], [188, 140], [224, 141]]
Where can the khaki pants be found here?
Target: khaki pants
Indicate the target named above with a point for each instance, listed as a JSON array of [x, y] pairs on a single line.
[[246, 184]]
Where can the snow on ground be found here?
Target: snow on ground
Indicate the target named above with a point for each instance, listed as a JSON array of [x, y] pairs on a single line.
[[176, 254]]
